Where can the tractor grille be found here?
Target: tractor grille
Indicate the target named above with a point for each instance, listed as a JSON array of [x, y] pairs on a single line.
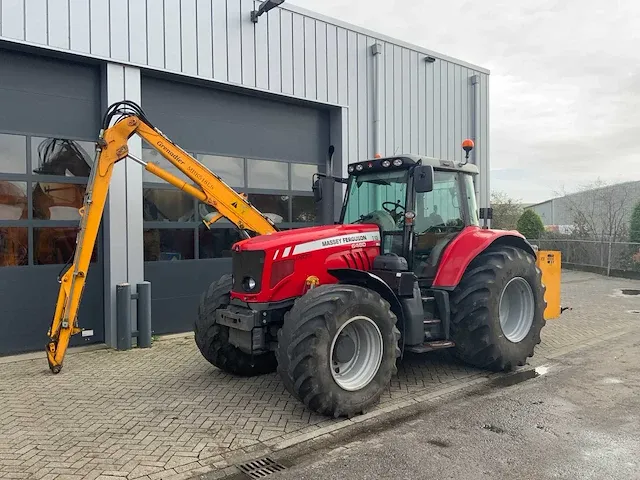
[[247, 264]]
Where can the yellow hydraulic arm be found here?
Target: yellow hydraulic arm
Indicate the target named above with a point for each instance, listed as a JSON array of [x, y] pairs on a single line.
[[112, 146]]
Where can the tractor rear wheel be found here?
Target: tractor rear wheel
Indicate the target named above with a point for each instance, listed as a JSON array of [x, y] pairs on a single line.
[[213, 339], [337, 349], [497, 310]]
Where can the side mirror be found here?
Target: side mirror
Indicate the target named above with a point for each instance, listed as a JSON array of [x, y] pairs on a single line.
[[423, 178], [317, 190]]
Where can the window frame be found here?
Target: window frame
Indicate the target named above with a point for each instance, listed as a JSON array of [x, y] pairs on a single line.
[[223, 223], [31, 178]]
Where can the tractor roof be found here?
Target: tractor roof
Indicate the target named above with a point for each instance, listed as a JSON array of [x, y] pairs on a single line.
[[408, 159]]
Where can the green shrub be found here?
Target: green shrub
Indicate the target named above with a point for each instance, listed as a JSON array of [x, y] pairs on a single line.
[[530, 225]]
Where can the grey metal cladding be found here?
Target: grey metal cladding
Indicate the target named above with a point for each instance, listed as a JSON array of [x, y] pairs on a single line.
[[427, 107], [227, 123], [36, 94]]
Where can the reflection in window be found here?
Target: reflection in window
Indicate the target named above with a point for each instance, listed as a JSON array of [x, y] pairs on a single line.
[[265, 174], [303, 209], [277, 206], [153, 156], [13, 200], [217, 242], [14, 249], [57, 201], [167, 205], [302, 176], [55, 245], [13, 154], [230, 169], [58, 156], [168, 244]]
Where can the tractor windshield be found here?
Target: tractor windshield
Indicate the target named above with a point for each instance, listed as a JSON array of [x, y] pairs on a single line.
[[378, 198]]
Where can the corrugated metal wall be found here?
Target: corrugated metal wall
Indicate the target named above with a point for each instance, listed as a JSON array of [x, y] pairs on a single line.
[[427, 108]]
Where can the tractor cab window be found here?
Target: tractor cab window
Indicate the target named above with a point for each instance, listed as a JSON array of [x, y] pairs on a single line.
[[439, 218], [379, 198]]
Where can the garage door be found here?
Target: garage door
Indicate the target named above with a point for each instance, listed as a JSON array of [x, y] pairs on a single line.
[[266, 148], [49, 113]]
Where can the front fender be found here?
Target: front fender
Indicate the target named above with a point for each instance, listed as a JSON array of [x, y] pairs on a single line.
[[468, 245], [371, 281]]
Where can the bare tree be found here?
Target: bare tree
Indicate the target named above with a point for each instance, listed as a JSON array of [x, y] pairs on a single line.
[[506, 211], [601, 210]]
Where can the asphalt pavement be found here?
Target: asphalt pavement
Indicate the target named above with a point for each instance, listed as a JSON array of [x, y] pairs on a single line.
[[578, 418]]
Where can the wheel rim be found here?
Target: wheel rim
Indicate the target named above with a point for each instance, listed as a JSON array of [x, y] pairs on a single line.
[[516, 309], [356, 353]]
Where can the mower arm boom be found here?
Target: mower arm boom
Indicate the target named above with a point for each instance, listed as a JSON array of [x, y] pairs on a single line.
[[112, 147]]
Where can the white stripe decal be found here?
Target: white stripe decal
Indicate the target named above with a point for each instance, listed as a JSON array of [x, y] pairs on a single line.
[[275, 255], [286, 252], [335, 241]]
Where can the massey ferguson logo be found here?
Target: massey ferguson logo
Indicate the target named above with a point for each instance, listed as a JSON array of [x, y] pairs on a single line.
[[331, 242]]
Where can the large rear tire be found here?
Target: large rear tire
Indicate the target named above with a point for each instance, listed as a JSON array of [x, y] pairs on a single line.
[[337, 349], [497, 310], [213, 339]]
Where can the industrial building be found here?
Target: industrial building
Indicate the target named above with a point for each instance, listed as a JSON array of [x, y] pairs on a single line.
[[259, 102]]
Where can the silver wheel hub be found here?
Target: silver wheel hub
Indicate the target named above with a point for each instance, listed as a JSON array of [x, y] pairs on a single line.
[[517, 309], [356, 353]]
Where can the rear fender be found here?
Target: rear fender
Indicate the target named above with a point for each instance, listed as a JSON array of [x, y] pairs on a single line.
[[471, 242]]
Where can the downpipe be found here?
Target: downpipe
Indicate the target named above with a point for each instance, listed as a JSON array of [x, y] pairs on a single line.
[[376, 51]]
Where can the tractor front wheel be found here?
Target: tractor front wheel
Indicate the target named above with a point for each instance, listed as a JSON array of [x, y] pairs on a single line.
[[337, 349], [497, 310], [213, 339]]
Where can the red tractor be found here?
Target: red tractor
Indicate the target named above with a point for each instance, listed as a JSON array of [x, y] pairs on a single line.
[[407, 269]]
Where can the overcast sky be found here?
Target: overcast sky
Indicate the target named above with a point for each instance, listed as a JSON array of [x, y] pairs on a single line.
[[564, 85]]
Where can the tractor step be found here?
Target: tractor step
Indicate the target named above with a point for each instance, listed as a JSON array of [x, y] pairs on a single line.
[[432, 321], [430, 346]]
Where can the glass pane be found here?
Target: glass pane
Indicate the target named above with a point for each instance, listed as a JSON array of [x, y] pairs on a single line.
[[217, 242], [13, 200], [167, 205], [470, 193], [275, 205], [13, 246], [265, 174], [13, 154], [230, 169], [439, 210], [152, 156], [58, 156], [302, 176], [303, 209], [55, 245], [57, 201], [378, 198], [168, 244]]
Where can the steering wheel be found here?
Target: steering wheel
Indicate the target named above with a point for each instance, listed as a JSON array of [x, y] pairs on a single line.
[[393, 211]]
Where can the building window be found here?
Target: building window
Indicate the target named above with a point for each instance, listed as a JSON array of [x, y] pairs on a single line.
[[229, 169], [173, 220], [302, 176], [14, 250], [13, 153], [268, 175], [42, 186]]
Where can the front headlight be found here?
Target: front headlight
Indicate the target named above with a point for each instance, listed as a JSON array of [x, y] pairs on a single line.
[[248, 284]]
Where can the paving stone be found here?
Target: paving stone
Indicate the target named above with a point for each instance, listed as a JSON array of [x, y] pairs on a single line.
[[164, 413]]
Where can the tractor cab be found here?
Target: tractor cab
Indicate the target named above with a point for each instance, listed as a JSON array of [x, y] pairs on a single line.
[[419, 203]]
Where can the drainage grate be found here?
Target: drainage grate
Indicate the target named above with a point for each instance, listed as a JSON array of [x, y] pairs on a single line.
[[260, 468], [630, 291]]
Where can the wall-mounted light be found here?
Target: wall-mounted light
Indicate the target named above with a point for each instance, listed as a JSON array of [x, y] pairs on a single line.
[[429, 59], [264, 8]]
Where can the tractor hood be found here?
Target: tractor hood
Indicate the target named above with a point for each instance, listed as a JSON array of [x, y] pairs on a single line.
[[303, 240], [279, 266]]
